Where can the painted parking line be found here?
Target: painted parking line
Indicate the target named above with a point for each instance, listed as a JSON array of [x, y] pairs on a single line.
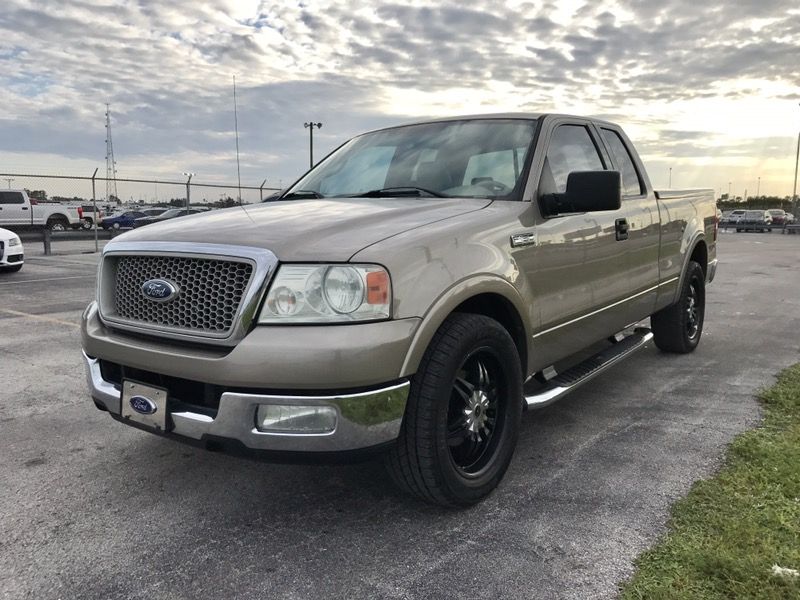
[[47, 279], [17, 313]]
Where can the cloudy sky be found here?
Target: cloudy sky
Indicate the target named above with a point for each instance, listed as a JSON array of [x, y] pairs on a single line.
[[709, 88]]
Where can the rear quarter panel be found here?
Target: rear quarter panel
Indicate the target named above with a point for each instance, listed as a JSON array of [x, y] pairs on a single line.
[[688, 217]]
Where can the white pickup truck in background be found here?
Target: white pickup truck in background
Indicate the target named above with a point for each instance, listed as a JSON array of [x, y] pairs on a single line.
[[17, 210]]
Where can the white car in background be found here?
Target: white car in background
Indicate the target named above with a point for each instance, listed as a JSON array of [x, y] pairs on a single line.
[[11, 252]]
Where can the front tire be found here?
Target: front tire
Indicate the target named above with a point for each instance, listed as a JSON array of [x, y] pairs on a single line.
[[678, 328], [13, 269], [463, 413]]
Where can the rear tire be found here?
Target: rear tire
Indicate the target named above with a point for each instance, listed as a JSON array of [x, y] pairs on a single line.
[[678, 328], [463, 413], [57, 224]]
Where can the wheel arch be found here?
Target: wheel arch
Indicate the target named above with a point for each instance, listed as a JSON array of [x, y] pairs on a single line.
[[699, 254], [493, 297]]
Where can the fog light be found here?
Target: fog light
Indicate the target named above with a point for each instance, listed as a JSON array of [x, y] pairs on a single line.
[[279, 418]]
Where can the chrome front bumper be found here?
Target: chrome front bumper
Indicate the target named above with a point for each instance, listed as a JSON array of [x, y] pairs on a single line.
[[364, 419]]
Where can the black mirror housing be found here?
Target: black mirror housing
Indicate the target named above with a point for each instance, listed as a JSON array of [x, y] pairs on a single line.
[[589, 191]]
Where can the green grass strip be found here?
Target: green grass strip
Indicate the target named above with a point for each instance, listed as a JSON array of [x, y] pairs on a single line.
[[725, 536]]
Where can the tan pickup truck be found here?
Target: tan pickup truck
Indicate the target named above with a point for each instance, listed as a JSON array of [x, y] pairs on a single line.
[[411, 295]]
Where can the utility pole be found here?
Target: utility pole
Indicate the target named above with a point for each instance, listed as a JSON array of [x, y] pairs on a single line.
[[9, 180], [729, 190], [111, 164], [310, 127]]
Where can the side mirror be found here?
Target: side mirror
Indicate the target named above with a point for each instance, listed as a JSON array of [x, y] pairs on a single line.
[[589, 191]]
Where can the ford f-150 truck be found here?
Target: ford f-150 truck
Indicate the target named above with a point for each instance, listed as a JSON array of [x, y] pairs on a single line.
[[17, 210], [411, 294]]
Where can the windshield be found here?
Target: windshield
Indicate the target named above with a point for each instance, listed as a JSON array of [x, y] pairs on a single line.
[[480, 158]]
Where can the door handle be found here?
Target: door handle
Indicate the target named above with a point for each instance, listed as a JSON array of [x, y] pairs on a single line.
[[621, 227], [24, 208]]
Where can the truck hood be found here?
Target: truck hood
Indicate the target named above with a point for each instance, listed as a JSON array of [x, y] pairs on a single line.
[[308, 230]]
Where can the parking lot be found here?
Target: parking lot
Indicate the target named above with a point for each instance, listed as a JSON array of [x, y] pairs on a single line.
[[93, 509]]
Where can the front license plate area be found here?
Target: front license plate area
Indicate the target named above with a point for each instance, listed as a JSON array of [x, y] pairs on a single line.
[[145, 405]]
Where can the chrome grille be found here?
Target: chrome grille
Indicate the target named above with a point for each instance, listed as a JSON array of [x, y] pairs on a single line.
[[210, 292]]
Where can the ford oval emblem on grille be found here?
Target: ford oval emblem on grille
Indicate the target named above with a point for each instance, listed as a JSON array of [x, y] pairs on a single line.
[[159, 290], [142, 405]]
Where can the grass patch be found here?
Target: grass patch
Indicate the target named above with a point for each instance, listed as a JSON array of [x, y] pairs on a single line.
[[726, 535]]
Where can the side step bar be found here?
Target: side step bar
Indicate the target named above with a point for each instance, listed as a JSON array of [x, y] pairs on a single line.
[[563, 383]]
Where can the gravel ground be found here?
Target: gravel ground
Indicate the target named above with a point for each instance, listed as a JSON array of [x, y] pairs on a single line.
[[93, 509]]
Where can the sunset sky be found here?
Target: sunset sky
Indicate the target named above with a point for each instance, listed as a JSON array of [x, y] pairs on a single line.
[[710, 89]]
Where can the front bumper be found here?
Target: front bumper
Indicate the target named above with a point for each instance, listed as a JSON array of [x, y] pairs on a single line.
[[364, 420]]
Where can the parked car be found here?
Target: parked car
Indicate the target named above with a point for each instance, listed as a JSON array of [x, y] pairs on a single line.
[[399, 308], [153, 212], [89, 216], [17, 210], [166, 215], [779, 216], [755, 220], [12, 254], [122, 221], [731, 217]]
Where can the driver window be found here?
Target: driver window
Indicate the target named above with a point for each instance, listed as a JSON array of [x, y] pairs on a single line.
[[571, 149]]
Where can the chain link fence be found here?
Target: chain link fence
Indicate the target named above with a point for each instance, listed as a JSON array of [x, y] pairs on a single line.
[[101, 197], [129, 193]]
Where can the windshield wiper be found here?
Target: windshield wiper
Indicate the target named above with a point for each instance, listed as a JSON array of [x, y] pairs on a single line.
[[400, 191], [302, 194]]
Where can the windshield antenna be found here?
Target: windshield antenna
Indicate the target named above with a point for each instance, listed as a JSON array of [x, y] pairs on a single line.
[[236, 129]]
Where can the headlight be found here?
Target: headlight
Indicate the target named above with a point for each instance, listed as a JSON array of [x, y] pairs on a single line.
[[14, 241], [327, 293]]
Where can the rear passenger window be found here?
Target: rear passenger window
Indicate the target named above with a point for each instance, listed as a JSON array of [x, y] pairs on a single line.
[[571, 149], [631, 185], [11, 198]]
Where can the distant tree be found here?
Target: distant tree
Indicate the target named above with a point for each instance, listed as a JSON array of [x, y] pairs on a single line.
[[113, 198], [224, 202]]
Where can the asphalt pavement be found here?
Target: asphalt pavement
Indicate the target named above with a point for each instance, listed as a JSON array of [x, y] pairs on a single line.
[[93, 509]]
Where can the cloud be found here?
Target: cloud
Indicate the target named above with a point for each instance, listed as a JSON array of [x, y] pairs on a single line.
[[165, 67]]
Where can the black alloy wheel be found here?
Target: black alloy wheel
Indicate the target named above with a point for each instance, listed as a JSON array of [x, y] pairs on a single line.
[[462, 415]]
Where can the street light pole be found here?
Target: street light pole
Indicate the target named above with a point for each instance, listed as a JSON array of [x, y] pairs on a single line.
[[729, 191], [188, 188], [794, 190], [310, 127], [9, 180], [758, 189], [670, 177]]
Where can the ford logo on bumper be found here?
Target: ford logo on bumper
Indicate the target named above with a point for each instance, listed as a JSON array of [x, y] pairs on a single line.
[[143, 405], [159, 290]]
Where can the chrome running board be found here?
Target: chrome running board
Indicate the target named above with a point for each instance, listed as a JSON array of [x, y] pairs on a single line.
[[574, 377]]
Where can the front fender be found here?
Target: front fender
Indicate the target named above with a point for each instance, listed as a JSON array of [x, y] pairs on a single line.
[[449, 300]]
